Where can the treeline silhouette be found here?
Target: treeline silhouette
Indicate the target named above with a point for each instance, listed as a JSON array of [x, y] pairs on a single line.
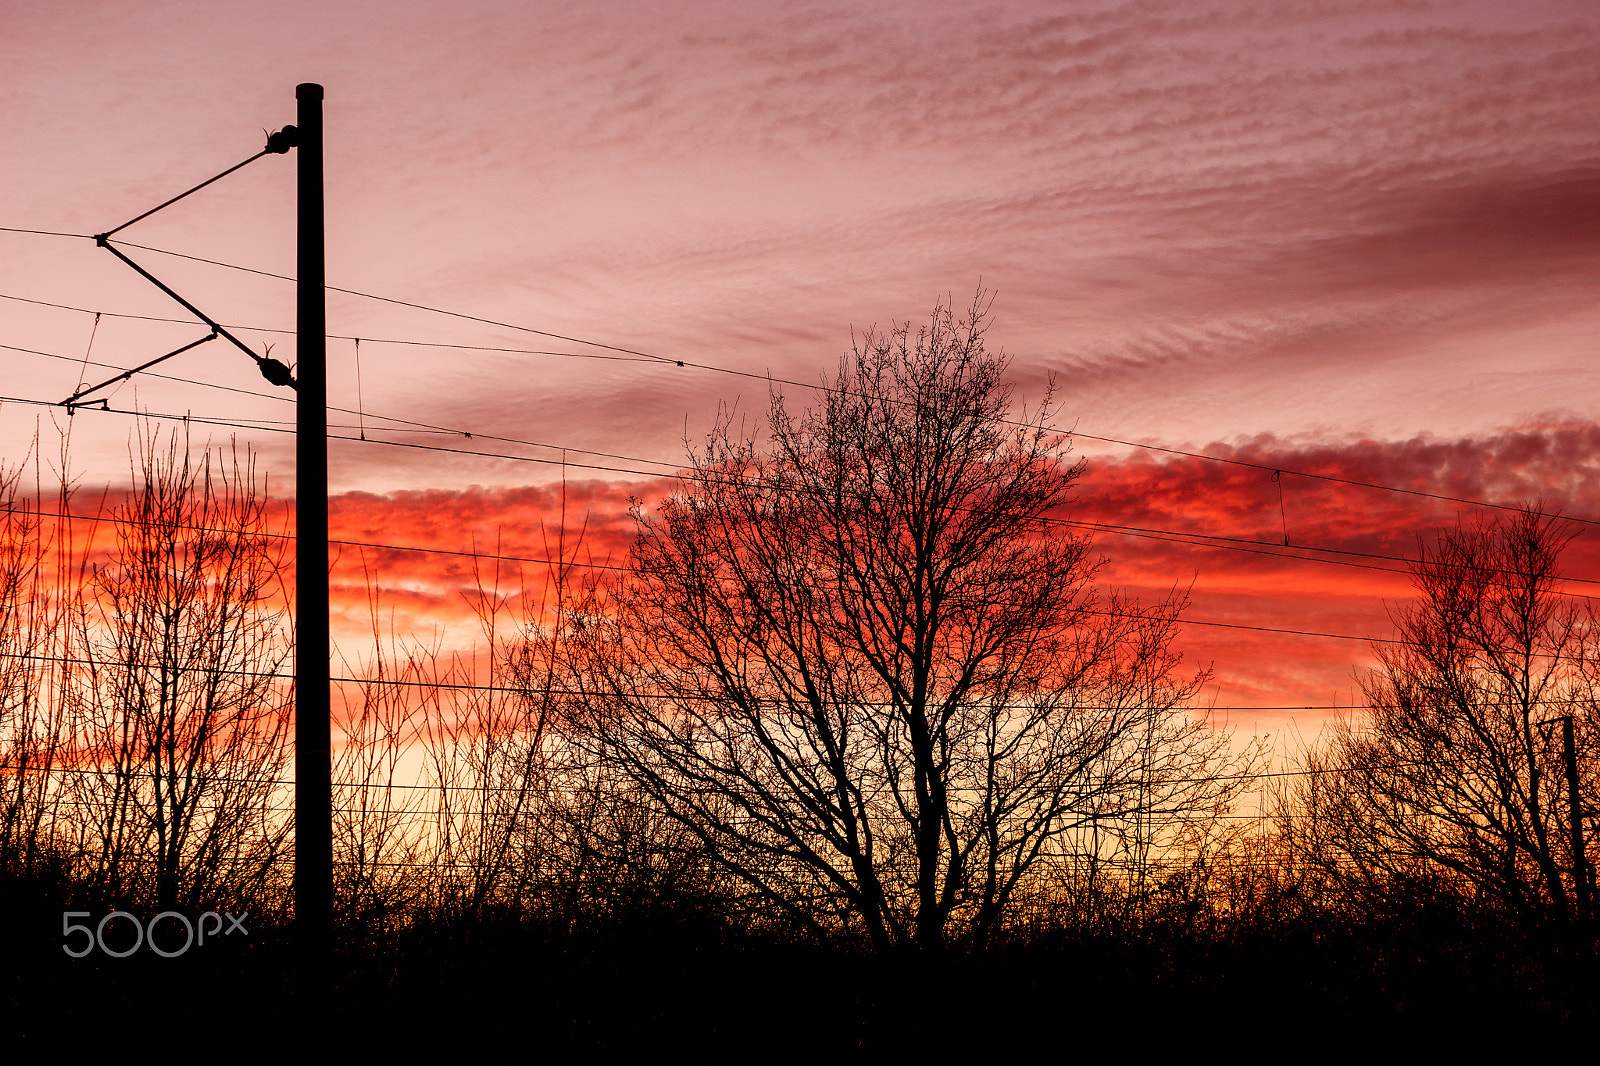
[[853, 728]]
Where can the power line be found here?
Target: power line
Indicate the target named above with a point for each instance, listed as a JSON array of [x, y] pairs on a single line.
[[145, 770], [546, 690], [1133, 616], [1216, 541], [1171, 536], [45, 232], [412, 425], [1127, 866], [407, 425], [771, 380], [591, 565], [1183, 537], [344, 336], [272, 426], [415, 306], [364, 295]]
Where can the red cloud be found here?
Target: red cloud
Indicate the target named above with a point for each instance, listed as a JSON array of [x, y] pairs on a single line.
[[1267, 616], [1237, 510], [1213, 529]]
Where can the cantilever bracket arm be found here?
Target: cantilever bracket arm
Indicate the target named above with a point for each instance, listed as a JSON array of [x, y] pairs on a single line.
[[278, 143], [274, 371], [77, 397]]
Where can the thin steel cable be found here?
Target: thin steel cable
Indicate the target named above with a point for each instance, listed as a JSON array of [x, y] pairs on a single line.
[[88, 349], [1151, 534], [771, 380], [416, 306], [1170, 536], [268, 150], [1195, 539]]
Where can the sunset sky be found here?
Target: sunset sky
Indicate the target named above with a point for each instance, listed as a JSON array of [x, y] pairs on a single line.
[[1359, 239]]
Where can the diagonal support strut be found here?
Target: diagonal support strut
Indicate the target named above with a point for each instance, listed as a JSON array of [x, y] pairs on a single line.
[[77, 397], [274, 371]]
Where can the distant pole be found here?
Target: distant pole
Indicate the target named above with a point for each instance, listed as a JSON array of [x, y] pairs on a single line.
[[1580, 866], [313, 770]]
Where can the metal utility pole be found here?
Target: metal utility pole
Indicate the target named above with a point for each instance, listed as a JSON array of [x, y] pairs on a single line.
[[313, 789], [313, 768], [1580, 865], [1581, 887]]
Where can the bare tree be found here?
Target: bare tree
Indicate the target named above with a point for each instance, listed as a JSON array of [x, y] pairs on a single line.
[[36, 575], [870, 672], [46, 552], [1452, 772], [380, 830], [445, 766], [178, 706]]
